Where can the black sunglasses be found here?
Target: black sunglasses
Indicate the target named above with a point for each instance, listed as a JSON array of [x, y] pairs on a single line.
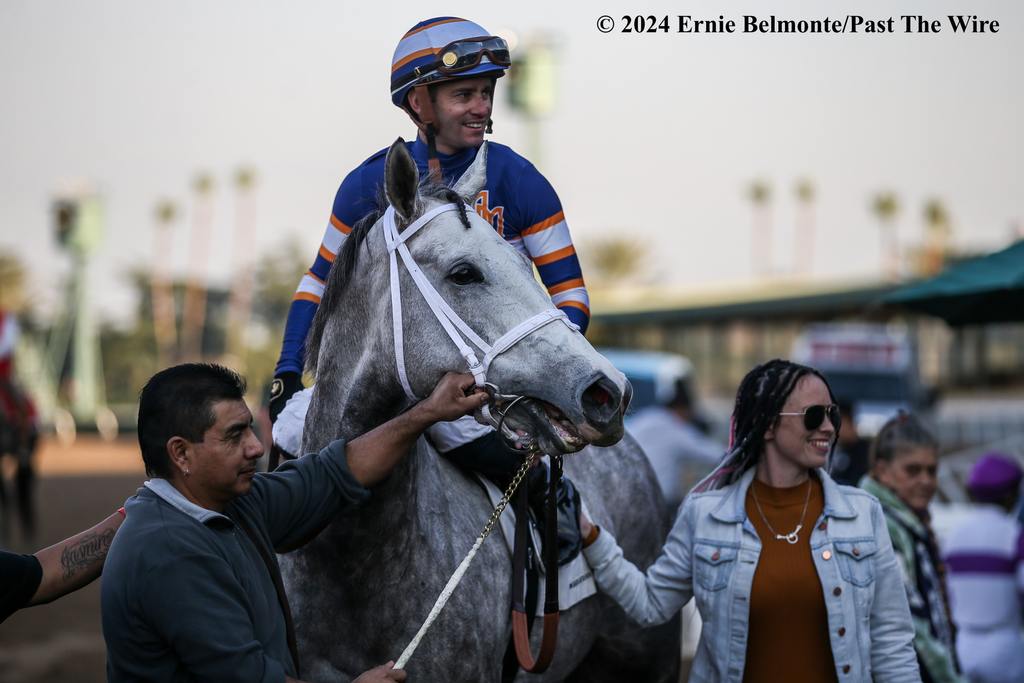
[[463, 55], [814, 416]]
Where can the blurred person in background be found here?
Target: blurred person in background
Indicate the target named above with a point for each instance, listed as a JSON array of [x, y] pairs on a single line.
[[794, 576], [19, 433], [904, 468], [675, 444], [443, 74], [985, 556], [849, 463], [55, 571]]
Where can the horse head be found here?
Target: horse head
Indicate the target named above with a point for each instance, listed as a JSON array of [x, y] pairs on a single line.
[[566, 395]]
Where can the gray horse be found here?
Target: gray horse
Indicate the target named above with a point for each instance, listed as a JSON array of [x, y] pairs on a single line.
[[361, 590]]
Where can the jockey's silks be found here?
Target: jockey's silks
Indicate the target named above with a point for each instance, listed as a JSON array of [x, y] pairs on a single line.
[[517, 201]]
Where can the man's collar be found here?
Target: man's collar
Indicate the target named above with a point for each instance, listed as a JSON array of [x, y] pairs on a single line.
[[174, 497]]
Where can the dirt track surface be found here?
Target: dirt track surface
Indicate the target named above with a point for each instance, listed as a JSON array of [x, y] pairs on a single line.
[[77, 487]]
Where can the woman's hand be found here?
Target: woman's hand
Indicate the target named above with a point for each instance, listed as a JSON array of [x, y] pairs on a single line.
[[586, 526]]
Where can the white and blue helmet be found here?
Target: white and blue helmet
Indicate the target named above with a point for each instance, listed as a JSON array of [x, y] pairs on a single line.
[[442, 49]]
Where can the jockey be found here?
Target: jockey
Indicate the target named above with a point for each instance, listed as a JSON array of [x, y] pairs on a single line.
[[443, 75]]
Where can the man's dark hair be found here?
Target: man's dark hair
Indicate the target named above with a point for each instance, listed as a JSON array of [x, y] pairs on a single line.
[[179, 401]]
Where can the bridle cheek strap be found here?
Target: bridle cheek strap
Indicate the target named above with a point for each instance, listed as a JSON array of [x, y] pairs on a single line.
[[456, 328]]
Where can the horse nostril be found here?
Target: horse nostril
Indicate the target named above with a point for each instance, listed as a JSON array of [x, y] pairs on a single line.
[[602, 402]]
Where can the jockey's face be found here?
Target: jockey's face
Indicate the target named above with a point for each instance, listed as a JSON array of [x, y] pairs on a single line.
[[222, 465], [462, 108]]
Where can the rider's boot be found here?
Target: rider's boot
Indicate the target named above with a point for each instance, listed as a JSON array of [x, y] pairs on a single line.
[[570, 541]]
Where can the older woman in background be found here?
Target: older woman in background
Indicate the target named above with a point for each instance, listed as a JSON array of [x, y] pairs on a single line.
[[904, 465]]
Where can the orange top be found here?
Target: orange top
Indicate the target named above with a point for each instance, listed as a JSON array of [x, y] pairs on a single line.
[[788, 637]]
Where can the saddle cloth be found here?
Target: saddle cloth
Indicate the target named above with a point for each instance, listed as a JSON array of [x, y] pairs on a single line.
[[575, 580]]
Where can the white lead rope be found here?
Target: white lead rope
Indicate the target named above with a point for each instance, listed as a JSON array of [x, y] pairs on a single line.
[[453, 582]]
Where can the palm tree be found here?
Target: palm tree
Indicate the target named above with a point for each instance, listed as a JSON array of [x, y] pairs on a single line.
[[760, 193], [937, 234], [195, 297], [805, 194], [885, 206], [165, 328], [240, 304]]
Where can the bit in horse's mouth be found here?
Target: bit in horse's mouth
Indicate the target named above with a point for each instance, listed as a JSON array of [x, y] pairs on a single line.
[[531, 422]]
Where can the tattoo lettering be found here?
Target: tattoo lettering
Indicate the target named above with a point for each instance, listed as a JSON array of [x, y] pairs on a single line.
[[86, 551]]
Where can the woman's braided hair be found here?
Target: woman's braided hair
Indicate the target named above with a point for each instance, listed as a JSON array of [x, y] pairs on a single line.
[[759, 400]]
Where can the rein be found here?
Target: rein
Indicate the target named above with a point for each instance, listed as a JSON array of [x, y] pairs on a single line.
[[520, 621]]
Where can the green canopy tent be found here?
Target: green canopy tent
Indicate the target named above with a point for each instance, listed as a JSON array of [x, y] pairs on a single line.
[[987, 289]]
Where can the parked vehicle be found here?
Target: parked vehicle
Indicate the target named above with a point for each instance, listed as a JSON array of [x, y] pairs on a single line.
[[653, 374], [873, 367]]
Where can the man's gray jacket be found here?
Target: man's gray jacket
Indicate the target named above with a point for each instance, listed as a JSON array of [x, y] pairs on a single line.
[[186, 595]]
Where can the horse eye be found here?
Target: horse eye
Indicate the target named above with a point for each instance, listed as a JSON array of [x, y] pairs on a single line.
[[465, 274]]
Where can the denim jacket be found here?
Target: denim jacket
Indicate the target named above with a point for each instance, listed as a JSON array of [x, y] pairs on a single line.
[[712, 554]]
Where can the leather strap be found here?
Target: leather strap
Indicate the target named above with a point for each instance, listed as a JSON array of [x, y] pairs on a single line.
[[520, 623], [282, 598]]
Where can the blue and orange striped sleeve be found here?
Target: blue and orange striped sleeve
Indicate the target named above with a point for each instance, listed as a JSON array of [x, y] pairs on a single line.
[[350, 204], [543, 235]]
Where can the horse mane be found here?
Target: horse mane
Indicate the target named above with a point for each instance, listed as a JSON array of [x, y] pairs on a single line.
[[344, 264]]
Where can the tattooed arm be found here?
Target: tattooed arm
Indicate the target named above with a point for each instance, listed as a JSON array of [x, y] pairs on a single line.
[[75, 561]]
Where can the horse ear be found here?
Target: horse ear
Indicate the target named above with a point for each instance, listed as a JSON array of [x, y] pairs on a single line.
[[401, 180], [475, 177]]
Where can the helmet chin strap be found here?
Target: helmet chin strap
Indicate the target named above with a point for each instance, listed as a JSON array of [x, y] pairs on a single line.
[[426, 121]]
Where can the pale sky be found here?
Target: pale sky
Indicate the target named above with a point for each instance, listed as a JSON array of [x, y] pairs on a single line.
[[657, 134]]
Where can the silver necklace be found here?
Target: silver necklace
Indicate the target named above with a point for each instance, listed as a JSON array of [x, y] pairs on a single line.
[[793, 537]]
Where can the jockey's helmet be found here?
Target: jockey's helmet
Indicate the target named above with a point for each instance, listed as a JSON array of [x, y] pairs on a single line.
[[443, 49]]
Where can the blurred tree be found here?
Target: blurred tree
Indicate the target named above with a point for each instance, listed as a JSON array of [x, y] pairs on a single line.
[[759, 192], [194, 318], [12, 282], [938, 230], [805, 228], [240, 307], [165, 325], [886, 206], [613, 260]]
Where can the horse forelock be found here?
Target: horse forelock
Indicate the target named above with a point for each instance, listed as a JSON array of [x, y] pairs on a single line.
[[344, 264]]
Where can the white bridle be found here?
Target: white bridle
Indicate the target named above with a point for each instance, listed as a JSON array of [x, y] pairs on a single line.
[[449, 319]]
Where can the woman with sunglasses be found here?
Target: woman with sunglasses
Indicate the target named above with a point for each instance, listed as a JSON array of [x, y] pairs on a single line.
[[794, 576], [904, 465]]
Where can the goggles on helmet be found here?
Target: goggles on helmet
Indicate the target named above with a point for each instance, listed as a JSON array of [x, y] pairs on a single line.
[[462, 55]]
